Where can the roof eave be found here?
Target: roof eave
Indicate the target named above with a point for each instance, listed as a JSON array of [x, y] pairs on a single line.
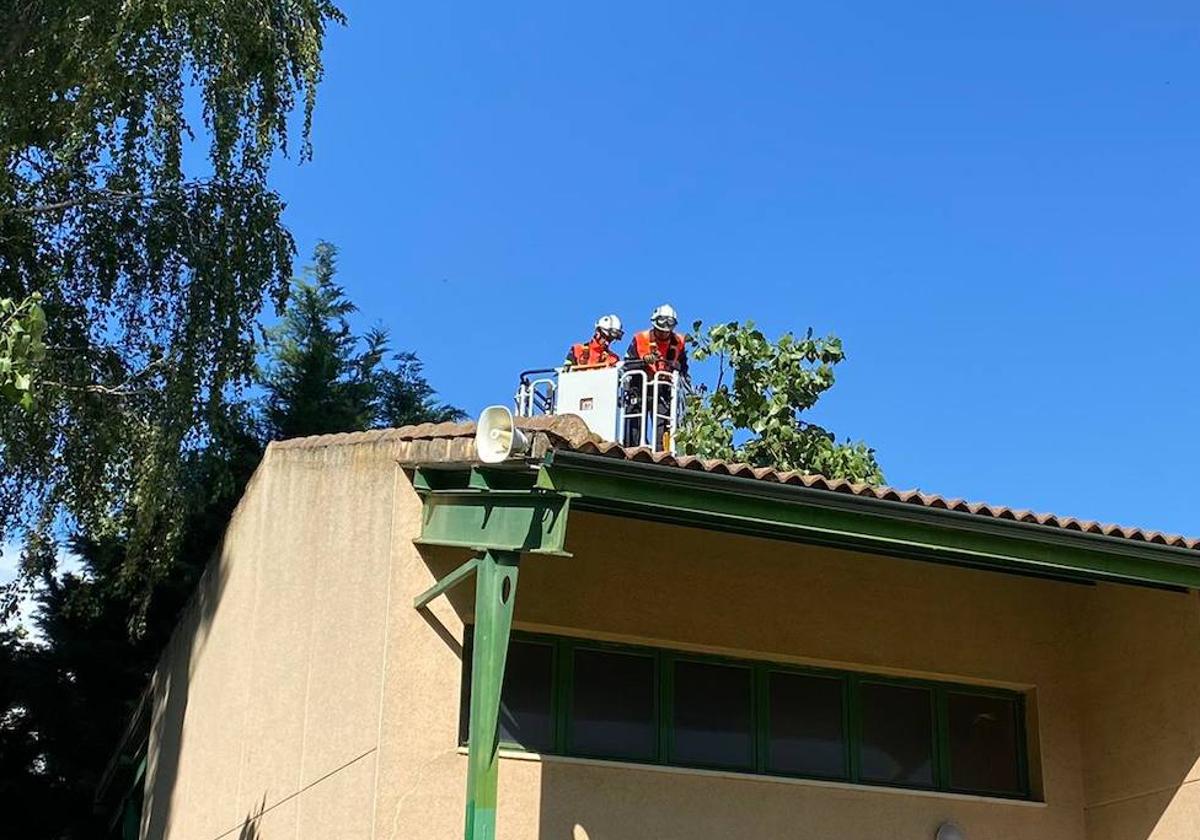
[[805, 514]]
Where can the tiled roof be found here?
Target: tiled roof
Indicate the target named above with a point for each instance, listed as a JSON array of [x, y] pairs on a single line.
[[890, 494], [453, 443]]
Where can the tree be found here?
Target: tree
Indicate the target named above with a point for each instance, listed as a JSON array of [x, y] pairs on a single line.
[[152, 273], [317, 380], [22, 324], [405, 398], [752, 414], [25, 683], [320, 377]]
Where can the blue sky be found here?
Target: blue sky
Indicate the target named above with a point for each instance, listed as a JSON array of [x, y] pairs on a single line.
[[994, 205]]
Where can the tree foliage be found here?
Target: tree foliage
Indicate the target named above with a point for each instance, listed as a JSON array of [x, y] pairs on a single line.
[[317, 380], [22, 326], [135, 144], [321, 378], [752, 413], [405, 398]]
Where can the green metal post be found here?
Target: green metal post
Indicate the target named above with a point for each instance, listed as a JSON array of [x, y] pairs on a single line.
[[495, 592]]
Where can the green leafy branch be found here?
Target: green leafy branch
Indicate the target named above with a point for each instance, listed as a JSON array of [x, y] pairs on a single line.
[[752, 412], [22, 327]]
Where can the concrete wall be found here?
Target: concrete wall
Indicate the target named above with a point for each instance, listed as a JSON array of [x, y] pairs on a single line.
[[303, 697]]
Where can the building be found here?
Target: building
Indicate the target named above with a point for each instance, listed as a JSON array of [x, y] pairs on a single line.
[[698, 650]]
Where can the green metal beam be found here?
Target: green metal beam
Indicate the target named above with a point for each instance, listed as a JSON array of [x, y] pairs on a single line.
[[532, 521], [495, 593], [758, 508], [448, 582], [476, 478]]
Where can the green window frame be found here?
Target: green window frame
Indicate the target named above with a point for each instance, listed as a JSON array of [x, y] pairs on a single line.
[[664, 659]]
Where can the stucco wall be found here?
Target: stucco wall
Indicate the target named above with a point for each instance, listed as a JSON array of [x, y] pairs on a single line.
[[1142, 714], [303, 697], [267, 704]]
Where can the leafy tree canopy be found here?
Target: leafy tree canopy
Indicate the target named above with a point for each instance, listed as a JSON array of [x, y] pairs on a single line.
[[753, 412], [152, 273]]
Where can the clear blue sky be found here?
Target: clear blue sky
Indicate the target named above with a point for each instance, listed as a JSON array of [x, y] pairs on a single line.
[[994, 204]]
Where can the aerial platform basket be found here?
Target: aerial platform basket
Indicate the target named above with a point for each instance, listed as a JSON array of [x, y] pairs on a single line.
[[621, 403]]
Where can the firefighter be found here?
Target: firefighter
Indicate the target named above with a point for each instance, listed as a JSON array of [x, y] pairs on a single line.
[[658, 350], [596, 352]]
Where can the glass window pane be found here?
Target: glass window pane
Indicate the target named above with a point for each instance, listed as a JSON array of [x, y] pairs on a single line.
[[897, 734], [612, 709], [984, 753], [712, 719], [807, 732], [525, 699]]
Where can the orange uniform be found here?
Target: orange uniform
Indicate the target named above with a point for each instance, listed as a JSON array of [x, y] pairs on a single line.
[[668, 353], [593, 353]]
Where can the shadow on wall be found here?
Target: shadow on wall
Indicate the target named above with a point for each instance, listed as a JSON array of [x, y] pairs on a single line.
[[1141, 719], [170, 695], [250, 830], [440, 562]]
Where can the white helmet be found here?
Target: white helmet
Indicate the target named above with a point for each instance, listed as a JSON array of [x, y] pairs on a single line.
[[609, 326], [664, 317]]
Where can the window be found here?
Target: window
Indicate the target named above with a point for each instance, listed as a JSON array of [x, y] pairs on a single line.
[[526, 700], [897, 734], [614, 709], [598, 700], [712, 725], [985, 743], [806, 730]]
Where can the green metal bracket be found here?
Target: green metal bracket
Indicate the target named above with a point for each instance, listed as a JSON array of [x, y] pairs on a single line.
[[445, 584], [495, 592], [504, 520]]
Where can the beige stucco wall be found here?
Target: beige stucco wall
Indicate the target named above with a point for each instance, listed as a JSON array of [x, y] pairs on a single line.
[[1142, 714], [303, 686], [267, 702]]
